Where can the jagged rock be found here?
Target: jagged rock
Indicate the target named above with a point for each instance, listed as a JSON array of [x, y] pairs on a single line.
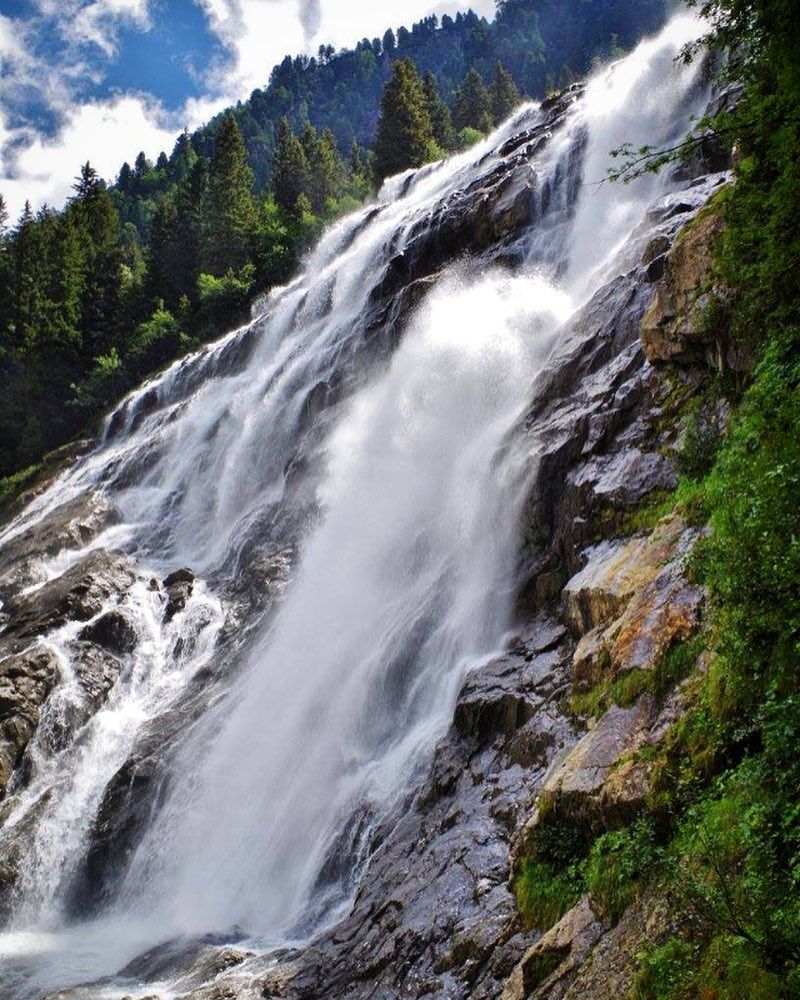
[[113, 631], [26, 680], [71, 526], [676, 329], [180, 587], [576, 785], [615, 571], [499, 699], [608, 970], [78, 595], [625, 478], [548, 967], [664, 612], [641, 585]]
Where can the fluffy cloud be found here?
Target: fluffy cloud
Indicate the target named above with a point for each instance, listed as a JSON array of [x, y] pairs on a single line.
[[39, 163], [42, 170]]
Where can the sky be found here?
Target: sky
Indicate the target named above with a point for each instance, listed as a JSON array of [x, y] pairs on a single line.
[[100, 80]]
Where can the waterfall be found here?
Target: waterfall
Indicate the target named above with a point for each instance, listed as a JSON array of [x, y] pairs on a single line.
[[391, 471]]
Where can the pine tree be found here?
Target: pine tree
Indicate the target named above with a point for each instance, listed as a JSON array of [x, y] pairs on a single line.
[[6, 286], [187, 234], [405, 132], [230, 214], [67, 285], [183, 157], [161, 267], [326, 170], [27, 283], [125, 178], [504, 94], [473, 104], [97, 218], [441, 119], [291, 176]]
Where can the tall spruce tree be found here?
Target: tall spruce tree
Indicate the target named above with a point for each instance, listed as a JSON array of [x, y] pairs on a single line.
[[161, 271], [27, 283], [230, 214], [441, 119], [405, 131], [473, 104], [504, 94], [183, 157], [97, 218], [326, 171], [291, 176], [6, 303], [187, 235]]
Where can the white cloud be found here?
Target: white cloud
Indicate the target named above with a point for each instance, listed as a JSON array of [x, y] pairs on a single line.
[[99, 22], [256, 34], [107, 133]]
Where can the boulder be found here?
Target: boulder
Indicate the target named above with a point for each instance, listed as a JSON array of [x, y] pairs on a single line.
[[676, 328], [180, 587], [548, 967], [113, 631], [26, 680], [79, 595]]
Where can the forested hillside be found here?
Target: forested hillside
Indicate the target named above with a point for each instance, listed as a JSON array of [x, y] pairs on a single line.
[[134, 273]]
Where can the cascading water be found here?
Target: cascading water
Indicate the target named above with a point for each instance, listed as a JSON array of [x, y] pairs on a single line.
[[395, 472]]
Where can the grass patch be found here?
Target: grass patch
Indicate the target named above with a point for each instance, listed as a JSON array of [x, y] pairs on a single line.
[[12, 486]]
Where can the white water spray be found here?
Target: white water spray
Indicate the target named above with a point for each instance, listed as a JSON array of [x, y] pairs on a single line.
[[405, 581]]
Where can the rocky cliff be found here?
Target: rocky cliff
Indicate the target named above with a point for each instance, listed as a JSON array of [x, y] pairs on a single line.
[[550, 742]]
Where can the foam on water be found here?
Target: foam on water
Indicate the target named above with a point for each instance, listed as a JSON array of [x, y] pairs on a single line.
[[407, 567]]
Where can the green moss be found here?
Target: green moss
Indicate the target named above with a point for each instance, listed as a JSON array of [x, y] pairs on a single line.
[[622, 691], [12, 486], [551, 878], [544, 894], [619, 864]]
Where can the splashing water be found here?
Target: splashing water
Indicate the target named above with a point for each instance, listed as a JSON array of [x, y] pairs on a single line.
[[406, 510]]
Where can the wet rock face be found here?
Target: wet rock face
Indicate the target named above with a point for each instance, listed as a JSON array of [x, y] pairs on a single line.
[[30, 669], [549, 966], [77, 596], [631, 602], [596, 434], [678, 328], [74, 526], [434, 915], [26, 680]]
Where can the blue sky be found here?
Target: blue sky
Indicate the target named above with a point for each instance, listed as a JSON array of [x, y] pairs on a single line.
[[102, 79]]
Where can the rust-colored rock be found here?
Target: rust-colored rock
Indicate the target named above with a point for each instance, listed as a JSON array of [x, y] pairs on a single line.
[[675, 329], [636, 602]]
